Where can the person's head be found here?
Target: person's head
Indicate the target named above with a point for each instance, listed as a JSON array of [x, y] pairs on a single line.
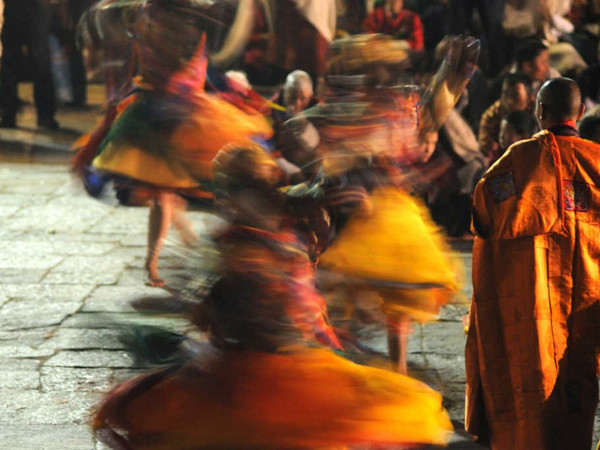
[[395, 6], [516, 126], [589, 128], [533, 59], [245, 179], [558, 100], [516, 92], [427, 143], [297, 91]]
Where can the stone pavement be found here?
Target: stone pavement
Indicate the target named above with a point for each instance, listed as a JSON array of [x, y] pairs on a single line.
[[72, 267]]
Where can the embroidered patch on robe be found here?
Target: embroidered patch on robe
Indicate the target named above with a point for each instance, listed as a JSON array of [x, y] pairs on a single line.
[[576, 195], [502, 187]]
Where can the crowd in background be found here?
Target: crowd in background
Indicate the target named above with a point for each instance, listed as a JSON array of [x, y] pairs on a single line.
[[524, 43]]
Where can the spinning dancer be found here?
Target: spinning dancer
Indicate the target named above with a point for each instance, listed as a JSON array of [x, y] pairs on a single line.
[[368, 133], [159, 141]]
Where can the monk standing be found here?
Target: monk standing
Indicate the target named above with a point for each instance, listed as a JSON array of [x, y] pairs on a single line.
[[534, 335]]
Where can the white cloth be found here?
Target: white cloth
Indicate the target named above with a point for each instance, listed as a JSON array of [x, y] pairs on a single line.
[[461, 136], [321, 14]]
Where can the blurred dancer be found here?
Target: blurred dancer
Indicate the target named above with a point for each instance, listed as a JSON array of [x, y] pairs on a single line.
[[160, 140], [263, 381], [368, 129]]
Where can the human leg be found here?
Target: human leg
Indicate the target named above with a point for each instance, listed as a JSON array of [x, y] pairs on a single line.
[[43, 86], [398, 330], [161, 216], [182, 223], [12, 38]]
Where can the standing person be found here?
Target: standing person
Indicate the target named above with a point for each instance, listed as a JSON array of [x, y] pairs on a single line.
[[303, 30], [532, 346], [76, 8], [27, 21], [491, 13], [398, 22]]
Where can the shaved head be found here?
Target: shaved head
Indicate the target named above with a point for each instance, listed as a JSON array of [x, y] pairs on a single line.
[[558, 100]]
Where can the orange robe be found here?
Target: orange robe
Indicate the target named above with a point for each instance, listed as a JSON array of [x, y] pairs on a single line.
[[532, 346]]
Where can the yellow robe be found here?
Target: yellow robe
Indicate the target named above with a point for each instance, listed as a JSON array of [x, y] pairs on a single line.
[[532, 347]]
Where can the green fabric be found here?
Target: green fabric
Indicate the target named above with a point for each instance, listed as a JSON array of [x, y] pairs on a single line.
[[134, 128]]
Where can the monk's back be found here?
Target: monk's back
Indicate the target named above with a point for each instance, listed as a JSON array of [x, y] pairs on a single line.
[[533, 343]]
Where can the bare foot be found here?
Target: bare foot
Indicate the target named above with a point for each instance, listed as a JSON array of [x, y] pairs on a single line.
[[154, 279]]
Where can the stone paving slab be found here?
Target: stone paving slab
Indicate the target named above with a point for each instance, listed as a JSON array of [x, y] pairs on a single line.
[[45, 437], [91, 358], [81, 339], [47, 408], [122, 298], [91, 379]]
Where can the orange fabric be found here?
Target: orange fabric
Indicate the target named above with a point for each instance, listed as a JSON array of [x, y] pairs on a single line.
[[532, 346], [303, 399]]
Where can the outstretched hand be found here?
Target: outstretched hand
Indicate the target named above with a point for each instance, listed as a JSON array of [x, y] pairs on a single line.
[[461, 61]]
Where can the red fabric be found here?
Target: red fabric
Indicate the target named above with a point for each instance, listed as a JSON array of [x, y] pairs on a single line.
[[88, 152], [407, 25], [296, 43], [568, 123]]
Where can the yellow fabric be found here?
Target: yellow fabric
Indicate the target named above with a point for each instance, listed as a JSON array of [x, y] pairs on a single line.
[[396, 242], [533, 340], [135, 163], [216, 125], [310, 398], [421, 305]]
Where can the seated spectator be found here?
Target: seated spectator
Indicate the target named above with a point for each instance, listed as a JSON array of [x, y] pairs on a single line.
[[296, 95], [516, 126], [398, 22], [533, 59], [447, 173], [516, 96], [589, 128]]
